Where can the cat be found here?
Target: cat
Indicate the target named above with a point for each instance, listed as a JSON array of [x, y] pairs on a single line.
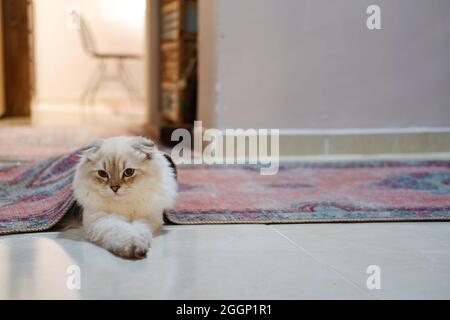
[[123, 185]]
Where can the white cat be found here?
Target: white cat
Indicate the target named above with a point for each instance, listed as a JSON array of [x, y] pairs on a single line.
[[123, 185]]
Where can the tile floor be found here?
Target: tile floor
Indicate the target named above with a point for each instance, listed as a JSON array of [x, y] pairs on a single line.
[[53, 114], [307, 261]]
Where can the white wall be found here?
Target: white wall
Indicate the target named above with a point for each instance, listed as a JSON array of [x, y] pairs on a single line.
[[63, 68], [313, 64]]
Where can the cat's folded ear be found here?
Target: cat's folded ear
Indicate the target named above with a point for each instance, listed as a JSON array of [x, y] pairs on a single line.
[[91, 149], [171, 164], [144, 146]]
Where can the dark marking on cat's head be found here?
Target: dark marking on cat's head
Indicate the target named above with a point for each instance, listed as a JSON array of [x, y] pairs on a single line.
[[171, 164]]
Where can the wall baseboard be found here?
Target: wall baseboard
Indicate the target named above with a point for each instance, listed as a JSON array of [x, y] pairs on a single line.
[[364, 141], [357, 142]]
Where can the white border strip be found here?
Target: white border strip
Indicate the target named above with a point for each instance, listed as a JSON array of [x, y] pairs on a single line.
[[356, 131]]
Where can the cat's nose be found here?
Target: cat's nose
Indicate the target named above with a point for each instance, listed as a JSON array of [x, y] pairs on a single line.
[[115, 188]]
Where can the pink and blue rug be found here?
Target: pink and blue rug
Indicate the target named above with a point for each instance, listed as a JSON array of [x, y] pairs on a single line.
[[315, 192], [35, 196]]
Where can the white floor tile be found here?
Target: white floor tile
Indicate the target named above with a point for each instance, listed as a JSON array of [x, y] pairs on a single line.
[[414, 258], [200, 262]]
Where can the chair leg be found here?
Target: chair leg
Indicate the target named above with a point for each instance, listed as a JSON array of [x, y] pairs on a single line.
[[128, 82], [88, 88], [97, 83]]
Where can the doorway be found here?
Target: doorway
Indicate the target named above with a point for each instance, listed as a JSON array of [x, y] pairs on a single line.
[[49, 62], [75, 62], [89, 62]]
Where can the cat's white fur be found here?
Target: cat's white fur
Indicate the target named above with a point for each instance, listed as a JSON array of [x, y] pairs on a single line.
[[124, 222]]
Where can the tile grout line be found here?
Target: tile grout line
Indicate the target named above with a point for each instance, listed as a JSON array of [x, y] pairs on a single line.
[[352, 283]]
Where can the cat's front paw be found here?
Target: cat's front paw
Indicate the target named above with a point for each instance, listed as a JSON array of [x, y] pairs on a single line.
[[136, 247], [114, 233], [132, 251]]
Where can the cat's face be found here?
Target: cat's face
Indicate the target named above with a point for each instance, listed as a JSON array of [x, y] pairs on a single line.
[[115, 168]]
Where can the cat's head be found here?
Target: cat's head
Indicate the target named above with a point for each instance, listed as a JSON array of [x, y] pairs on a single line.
[[122, 166]]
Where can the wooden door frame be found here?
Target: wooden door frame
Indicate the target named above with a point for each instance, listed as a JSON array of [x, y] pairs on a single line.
[[207, 61], [152, 56], [17, 28], [2, 81]]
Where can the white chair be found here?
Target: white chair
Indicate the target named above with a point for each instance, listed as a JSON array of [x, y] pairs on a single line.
[[100, 74]]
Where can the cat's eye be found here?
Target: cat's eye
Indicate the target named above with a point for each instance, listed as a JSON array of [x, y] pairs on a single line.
[[128, 172], [102, 173]]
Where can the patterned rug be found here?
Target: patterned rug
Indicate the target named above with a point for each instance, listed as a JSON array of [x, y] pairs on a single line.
[[35, 196], [315, 192]]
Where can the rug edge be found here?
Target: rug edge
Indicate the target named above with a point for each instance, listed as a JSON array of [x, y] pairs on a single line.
[[43, 228], [171, 220]]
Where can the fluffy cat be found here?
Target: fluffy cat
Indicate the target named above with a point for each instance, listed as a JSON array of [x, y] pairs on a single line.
[[123, 185]]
